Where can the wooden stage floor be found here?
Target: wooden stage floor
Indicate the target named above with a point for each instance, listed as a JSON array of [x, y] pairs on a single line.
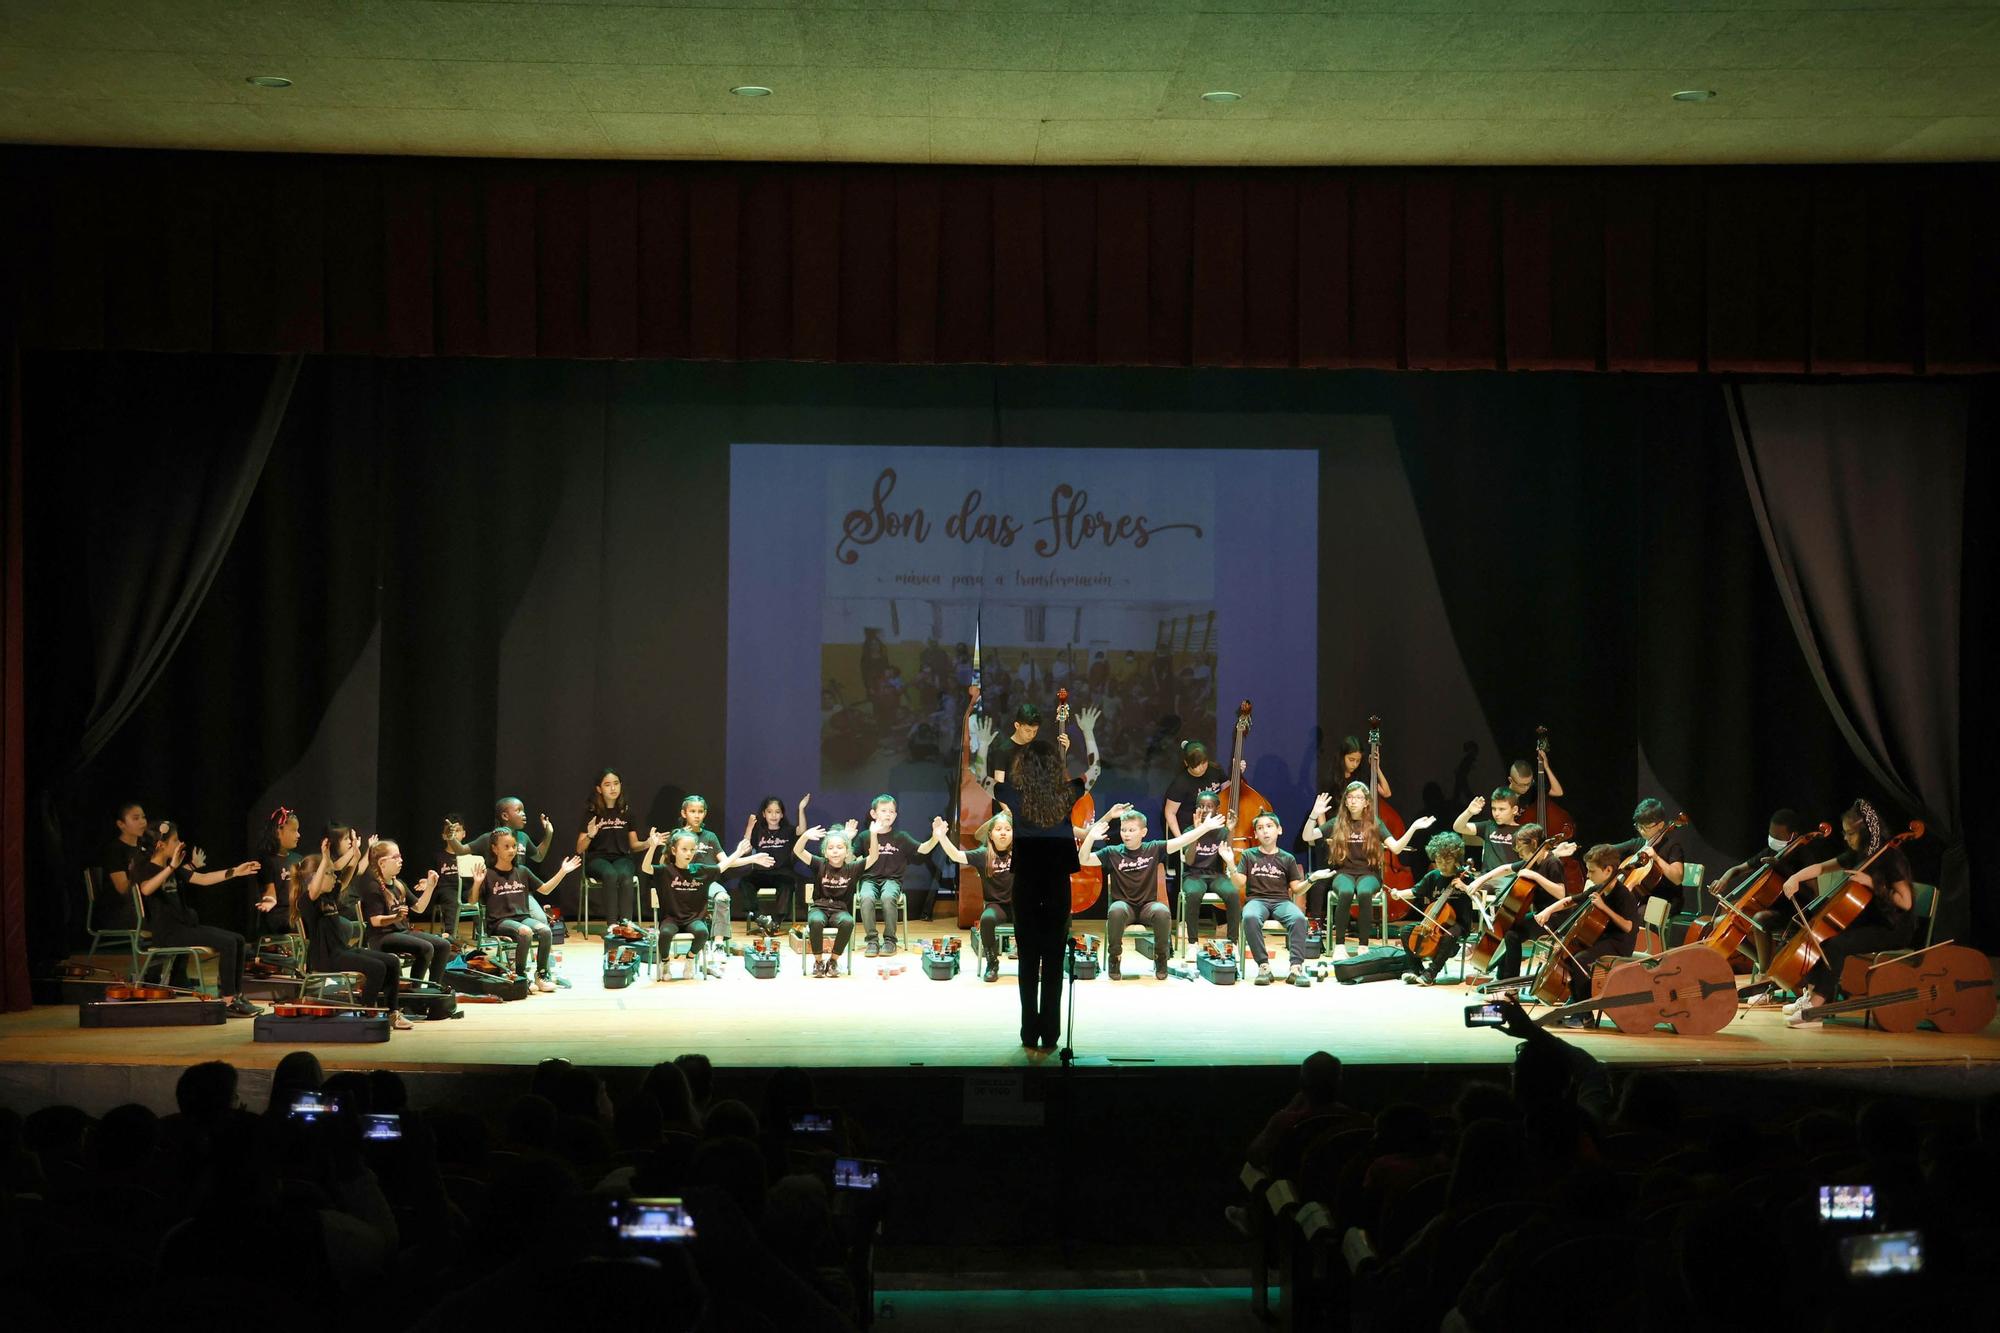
[[876, 1020]]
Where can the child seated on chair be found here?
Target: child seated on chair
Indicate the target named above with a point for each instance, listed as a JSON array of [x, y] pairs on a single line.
[[1273, 882], [508, 889], [1131, 875], [681, 884], [1439, 889], [993, 858], [1203, 872], [889, 853], [834, 877]]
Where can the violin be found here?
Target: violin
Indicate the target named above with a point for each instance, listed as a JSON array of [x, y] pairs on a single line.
[[1547, 812], [1734, 919], [1514, 901], [1690, 987], [1637, 868], [1086, 883], [132, 990], [1947, 985], [1424, 937], [1834, 911]]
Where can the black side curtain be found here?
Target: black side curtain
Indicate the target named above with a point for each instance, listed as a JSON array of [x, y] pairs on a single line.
[[1858, 492], [14, 993]]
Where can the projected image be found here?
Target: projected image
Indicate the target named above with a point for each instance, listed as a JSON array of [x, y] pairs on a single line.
[[858, 585], [894, 674]]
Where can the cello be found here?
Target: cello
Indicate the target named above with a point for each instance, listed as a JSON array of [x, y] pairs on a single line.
[[1734, 920], [1519, 893], [1834, 911], [1546, 810], [1086, 883], [1242, 803], [1423, 938], [1583, 929]]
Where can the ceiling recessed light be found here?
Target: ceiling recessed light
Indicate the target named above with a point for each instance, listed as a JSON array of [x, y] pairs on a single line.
[[1695, 95], [751, 90], [269, 81], [1219, 95]]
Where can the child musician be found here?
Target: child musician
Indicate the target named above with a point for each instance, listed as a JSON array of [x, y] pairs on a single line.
[[1621, 911], [1886, 923], [1546, 885], [1438, 889], [509, 889], [834, 877], [1272, 882], [890, 851], [680, 887], [1203, 871], [1131, 872], [1496, 834], [993, 858], [1359, 848], [1660, 845]]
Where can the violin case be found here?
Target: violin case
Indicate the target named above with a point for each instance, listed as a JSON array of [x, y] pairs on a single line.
[[320, 1029], [465, 981], [760, 957], [1082, 953], [181, 1012], [621, 966], [421, 999], [1217, 964], [1384, 962], [940, 959]]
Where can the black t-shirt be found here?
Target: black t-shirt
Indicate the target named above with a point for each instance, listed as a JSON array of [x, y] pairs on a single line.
[[996, 872], [507, 891], [379, 899], [483, 846], [1435, 883], [114, 909], [274, 876], [833, 889], [1203, 856], [1270, 875], [1182, 792], [1132, 872], [1352, 858], [1000, 758], [707, 845], [683, 894], [1890, 868], [610, 840], [1620, 900], [892, 856], [776, 844], [1499, 840], [1668, 848]]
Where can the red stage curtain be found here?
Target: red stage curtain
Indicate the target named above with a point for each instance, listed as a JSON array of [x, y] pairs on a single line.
[[1758, 269]]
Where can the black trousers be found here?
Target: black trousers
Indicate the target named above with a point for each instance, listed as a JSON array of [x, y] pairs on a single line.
[[1041, 930], [1864, 937], [617, 888], [381, 974], [743, 894], [991, 919], [818, 919], [428, 953], [229, 950]]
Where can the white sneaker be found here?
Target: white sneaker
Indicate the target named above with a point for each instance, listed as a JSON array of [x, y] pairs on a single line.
[[1807, 1016], [1804, 998], [544, 985], [1762, 1000]]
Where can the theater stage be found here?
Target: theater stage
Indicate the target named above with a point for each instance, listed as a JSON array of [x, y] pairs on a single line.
[[881, 1019]]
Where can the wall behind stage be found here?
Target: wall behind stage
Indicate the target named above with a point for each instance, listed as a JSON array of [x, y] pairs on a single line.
[[462, 578]]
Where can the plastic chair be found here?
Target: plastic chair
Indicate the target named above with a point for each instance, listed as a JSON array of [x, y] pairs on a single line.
[[144, 955], [1923, 906], [128, 937], [1653, 928]]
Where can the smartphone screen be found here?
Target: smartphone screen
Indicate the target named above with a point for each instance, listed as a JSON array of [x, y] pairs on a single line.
[[382, 1128], [651, 1221], [1484, 1016], [813, 1124], [1846, 1203], [856, 1173], [1883, 1254], [309, 1108]]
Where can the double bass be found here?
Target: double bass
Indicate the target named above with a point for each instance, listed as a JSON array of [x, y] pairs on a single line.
[[1946, 985], [1834, 911], [1395, 871], [975, 805], [1086, 883], [1690, 988], [1242, 803], [1546, 810]]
